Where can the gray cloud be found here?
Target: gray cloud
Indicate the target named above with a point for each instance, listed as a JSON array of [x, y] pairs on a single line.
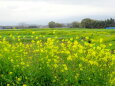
[[58, 10], [74, 2]]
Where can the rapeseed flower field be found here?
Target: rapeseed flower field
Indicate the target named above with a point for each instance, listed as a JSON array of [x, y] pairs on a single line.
[[47, 58]]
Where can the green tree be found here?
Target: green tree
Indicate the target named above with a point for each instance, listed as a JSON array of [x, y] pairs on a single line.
[[59, 25], [52, 24], [75, 24], [88, 23]]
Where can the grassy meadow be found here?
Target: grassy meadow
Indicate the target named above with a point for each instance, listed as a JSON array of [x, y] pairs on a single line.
[[57, 57]]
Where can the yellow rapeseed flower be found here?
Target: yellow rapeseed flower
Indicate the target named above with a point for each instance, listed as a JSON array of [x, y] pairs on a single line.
[[69, 58], [55, 65], [65, 67], [8, 84], [22, 63], [10, 73], [19, 79], [24, 85], [101, 40], [33, 32]]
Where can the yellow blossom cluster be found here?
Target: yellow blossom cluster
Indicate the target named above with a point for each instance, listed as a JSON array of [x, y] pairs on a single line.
[[55, 62]]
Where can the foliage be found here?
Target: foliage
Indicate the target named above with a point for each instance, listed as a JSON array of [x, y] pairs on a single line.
[[76, 25], [90, 23], [86, 23], [55, 25], [51, 24]]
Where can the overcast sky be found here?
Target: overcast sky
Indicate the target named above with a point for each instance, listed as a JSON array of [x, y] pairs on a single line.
[[42, 11]]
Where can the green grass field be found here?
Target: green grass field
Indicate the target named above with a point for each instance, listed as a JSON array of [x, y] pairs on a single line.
[[57, 57]]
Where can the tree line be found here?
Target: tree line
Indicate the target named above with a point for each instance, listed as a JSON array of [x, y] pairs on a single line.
[[85, 23]]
